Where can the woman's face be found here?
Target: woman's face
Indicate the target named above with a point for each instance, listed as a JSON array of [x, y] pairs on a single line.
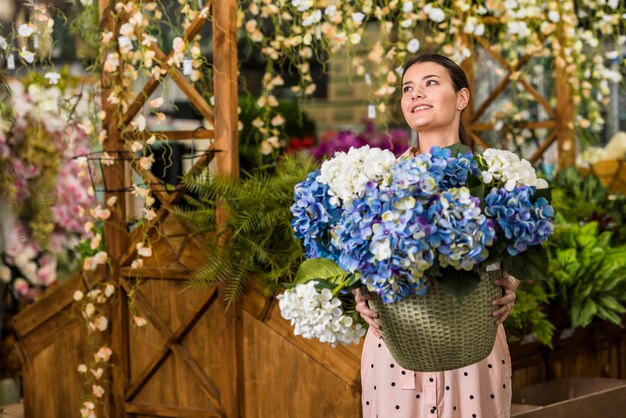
[[429, 100]]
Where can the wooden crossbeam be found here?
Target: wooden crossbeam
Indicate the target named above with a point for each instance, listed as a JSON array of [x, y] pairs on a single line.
[[166, 204], [190, 91], [544, 146], [170, 411], [170, 135], [158, 273], [478, 140], [501, 85], [172, 344], [191, 32], [545, 124], [498, 57]]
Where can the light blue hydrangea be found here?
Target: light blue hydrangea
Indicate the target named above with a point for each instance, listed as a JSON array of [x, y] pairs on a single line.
[[523, 222], [463, 233]]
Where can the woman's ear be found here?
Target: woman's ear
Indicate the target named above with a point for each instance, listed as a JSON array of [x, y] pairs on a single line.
[[462, 99]]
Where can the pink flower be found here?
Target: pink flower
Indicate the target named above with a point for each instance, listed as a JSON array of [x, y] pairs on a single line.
[[97, 390], [103, 354]]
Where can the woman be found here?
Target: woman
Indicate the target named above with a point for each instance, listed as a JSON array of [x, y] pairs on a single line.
[[435, 91]]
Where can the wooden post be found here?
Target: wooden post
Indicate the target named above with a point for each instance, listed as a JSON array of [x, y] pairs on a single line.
[[227, 164], [115, 233], [566, 112]]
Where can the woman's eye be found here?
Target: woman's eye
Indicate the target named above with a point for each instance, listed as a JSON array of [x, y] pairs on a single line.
[[428, 82], [406, 89]]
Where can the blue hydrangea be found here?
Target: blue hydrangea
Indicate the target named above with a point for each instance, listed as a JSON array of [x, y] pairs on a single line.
[[382, 236], [463, 233], [314, 216], [523, 222]]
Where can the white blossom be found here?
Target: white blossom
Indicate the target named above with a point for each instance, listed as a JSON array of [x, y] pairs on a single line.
[[318, 314], [347, 174], [508, 168], [25, 30], [413, 45]]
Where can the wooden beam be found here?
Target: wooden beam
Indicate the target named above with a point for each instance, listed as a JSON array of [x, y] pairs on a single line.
[[115, 233], [190, 91], [565, 132], [171, 411], [544, 124], [191, 32], [158, 273], [170, 135], [543, 147], [177, 336], [478, 140], [207, 386], [499, 88], [227, 164]]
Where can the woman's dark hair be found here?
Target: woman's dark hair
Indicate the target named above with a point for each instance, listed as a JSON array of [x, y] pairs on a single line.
[[459, 79]]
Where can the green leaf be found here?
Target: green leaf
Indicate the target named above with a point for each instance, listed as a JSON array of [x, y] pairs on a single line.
[[320, 268], [532, 264], [476, 186], [545, 193], [458, 282], [458, 148]]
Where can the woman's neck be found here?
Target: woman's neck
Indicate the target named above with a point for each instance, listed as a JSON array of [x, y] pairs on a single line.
[[427, 140]]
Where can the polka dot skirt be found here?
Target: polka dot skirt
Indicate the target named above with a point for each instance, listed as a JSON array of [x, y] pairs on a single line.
[[482, 390]]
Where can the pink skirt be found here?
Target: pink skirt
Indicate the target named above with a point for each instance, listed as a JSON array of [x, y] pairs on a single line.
[[481, 390]]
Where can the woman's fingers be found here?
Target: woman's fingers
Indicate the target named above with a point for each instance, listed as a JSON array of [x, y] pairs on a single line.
[[362, 307]]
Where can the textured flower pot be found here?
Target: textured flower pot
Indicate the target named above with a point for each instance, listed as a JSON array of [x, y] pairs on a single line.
[[436, 332]]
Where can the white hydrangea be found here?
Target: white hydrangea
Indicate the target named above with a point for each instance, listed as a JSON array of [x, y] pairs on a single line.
[[347, 174], [317, 314], [508, 168]]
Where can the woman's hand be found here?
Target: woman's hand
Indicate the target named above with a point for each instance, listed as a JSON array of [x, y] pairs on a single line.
[[506, 302], [366, 313]]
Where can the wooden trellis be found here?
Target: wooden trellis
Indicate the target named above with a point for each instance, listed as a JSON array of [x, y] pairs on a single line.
[[128, 380], [561, 118]]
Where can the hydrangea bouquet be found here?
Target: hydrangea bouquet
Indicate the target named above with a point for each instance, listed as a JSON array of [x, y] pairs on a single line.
[[393, 225]]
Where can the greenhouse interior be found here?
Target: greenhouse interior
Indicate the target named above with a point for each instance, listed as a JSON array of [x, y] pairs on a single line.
[[312, 208]]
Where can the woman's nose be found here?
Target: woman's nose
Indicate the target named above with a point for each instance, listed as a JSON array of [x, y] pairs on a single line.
[[416, 94]]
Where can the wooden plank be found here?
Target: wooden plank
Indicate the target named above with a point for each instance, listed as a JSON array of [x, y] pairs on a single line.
[[148, 273], [499, 89], [176, 336], [50, 304], [115, 235], [565, 133], [545, 124], [170, 135], [540, 99], [343, 362], [504, 63], [186, 87], [227, 164], [208, 387], [478, 140], [191, 32], [171, 411], [543, 147]]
